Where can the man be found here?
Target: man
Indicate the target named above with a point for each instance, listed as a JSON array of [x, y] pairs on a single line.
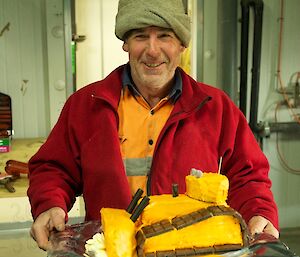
[[145, 126]]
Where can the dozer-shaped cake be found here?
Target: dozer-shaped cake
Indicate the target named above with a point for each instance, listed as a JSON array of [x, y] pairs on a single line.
[[196, 223]]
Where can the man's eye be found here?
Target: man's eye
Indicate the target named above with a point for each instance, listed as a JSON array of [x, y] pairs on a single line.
[[165, 35], [140, 36]]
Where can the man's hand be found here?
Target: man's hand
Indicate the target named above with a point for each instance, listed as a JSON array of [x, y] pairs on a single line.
[[259, 224], [52, 219]]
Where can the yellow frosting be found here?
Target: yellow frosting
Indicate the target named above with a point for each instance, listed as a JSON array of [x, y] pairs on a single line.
[[167, 207], [208, 190], [119, 232], [217, 230], [210, 187]]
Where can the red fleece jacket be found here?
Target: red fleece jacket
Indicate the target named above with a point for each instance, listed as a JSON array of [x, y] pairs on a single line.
[[82, 153]]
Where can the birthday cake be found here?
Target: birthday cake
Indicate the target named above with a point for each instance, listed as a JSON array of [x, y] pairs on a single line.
[[196, 223]]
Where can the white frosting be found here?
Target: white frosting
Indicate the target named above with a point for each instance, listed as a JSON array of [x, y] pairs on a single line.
[[196, 173], [95, 247]]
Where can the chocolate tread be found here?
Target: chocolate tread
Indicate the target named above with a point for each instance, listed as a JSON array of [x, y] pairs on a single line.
[[192, 218], [157, 228], [218, 249], [187, 220]]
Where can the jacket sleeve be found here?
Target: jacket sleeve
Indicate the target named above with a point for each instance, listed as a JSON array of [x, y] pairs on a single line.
[[54, 175], [246, 167]]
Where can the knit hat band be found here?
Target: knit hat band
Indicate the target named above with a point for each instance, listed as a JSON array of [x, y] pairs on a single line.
[[136, 14]]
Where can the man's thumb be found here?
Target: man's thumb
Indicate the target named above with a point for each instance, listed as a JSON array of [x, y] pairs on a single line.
[[257, 224], [58, 219]]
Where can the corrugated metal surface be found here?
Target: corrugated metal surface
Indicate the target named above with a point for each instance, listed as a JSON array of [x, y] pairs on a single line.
[[22, 65]]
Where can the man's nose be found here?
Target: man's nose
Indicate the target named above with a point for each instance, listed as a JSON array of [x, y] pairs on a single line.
[[153, 47]]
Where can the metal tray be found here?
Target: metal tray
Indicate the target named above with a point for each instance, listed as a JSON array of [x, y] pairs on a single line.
[[71, 242]]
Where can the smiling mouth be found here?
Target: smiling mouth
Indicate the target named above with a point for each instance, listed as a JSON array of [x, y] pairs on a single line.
[[153, 65]]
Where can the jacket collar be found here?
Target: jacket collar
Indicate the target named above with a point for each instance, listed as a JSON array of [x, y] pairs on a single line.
[[175, 91], [109, 89], [192, 96]]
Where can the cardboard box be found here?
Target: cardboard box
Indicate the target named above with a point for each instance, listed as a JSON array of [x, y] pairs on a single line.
[[5, 144]]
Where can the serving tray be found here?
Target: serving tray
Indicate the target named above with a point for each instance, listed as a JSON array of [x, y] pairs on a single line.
[[71, 243]]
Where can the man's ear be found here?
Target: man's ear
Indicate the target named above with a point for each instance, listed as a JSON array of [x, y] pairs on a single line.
[[183, 48], [125, 47]]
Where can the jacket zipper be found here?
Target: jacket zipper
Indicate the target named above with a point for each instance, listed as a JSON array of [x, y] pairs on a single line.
[[148, 185]]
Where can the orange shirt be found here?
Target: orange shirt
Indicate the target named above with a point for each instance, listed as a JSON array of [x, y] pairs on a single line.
[[139, 128]]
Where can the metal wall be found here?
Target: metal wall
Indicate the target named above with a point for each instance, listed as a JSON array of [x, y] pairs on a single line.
[[23, 67], [35, 62], [282, 149], [221, 60]]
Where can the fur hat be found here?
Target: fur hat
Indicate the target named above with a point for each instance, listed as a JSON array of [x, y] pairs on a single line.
[[136, 14]]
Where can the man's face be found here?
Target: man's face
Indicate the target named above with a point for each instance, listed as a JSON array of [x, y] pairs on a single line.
[[154, 54]]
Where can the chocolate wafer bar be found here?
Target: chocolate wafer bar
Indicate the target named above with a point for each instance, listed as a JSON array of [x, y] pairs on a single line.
[[187, 220]]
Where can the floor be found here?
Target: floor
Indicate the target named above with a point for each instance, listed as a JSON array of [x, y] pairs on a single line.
[[17, 243]]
